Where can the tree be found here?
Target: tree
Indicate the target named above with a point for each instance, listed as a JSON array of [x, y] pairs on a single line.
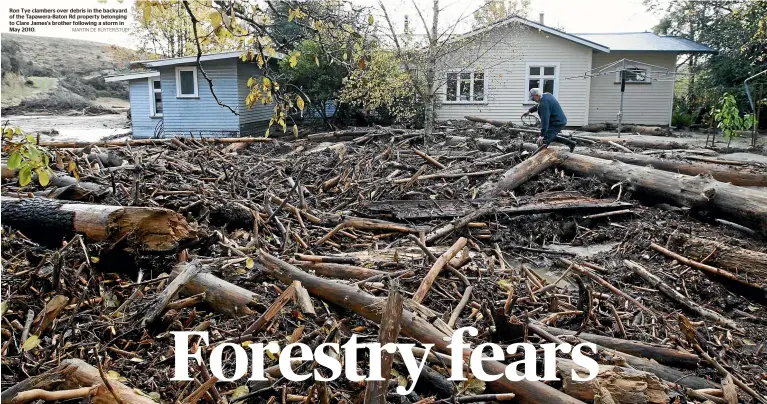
[[495, 10], [383, 85], [316, 75], [165, 30], [430, 61], [735, 28], [254, 29]]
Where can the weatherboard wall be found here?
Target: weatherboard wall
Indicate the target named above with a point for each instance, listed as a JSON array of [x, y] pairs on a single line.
[[202, 115], [504, 55], [647, 103], [143, 125]]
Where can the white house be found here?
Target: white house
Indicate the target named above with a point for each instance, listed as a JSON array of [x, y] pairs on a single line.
[[489, 72]]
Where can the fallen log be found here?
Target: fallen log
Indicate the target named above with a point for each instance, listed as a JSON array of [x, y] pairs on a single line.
[[74, 374], [186, 272], [413, 326], [493, 122], [482, 144], [522, 172], [726, 256], [744, 286], [624, 385], [219, 294], [639, 141], [644, 130], [661, 354], [430, 208], [50, 221], [436, 268], [663, 372], [367, 224], [667, 290], [375, 393], [337, 135], [734, 175], [148, 142], [340, 271], [700, 193], [70, 188]]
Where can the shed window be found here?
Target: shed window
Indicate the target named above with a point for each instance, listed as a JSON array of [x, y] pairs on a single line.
[[155, 97], [186, 82], [465, 87], [543, 76]]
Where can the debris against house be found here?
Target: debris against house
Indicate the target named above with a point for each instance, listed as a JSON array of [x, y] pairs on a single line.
[[337, 234]]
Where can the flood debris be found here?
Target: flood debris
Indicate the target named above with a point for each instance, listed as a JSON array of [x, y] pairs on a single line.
[[384, 234]]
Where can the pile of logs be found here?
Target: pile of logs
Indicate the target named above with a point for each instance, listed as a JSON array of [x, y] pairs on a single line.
[[657, 258]]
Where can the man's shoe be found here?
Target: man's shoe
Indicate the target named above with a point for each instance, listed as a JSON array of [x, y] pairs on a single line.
[[572, 147]]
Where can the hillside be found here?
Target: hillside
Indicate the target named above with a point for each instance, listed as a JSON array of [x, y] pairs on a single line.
[[55, 74]]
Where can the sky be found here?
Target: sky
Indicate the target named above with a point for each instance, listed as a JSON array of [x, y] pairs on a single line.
[[576, 16]]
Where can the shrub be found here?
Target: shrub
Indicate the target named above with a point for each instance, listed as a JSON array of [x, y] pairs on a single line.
[[682, 118]]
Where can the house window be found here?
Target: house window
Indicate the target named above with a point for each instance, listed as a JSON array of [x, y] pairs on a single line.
[[543, 76], [465, 87], [186, 82], [155, 98], [633, 75]]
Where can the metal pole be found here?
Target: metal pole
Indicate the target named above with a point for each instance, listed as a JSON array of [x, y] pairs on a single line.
[[623, 89]]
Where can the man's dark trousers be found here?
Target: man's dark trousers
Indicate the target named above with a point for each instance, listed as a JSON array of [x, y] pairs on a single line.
[[551, 136]]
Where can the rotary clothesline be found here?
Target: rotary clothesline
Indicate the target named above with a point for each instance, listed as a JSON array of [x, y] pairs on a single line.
[[622, 68]]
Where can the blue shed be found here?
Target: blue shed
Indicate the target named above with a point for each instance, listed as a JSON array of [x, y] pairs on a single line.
[[172, 97]]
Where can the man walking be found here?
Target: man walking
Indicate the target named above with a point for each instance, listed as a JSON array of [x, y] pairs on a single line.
[[553, 119]]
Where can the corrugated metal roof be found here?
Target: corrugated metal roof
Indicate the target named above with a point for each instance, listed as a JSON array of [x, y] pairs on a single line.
[[646, 41]]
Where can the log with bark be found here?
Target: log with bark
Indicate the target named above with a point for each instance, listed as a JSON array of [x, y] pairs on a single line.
[[744, 205], [624, 385], [418, 328], [337, 135], [643, 130], [75, 374], [743, 287], [148, 142], [743, 176], [499, 124], [661, 354], [522, 172], [340, 271], [674, 295], [219, 294], [563, 202], [482, 144], [50, 221], [724, 255]]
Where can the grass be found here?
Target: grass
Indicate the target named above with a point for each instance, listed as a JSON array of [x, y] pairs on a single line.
[[40, 70]]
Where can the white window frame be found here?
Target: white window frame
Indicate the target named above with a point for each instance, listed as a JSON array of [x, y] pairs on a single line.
[[471, 87], [637, 67], [528, 77], [152, 91], [180, 69]]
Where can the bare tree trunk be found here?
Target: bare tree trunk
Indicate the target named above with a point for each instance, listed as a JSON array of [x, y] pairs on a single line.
[[431, 72]]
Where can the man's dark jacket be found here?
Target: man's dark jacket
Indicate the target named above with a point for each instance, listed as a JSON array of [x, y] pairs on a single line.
[[553, 119]]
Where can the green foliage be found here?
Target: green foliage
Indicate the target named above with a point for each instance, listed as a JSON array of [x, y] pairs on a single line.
[[728, 117], [26, 156], [383, 84], [680, 116], [316, 74], [737, 29]]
